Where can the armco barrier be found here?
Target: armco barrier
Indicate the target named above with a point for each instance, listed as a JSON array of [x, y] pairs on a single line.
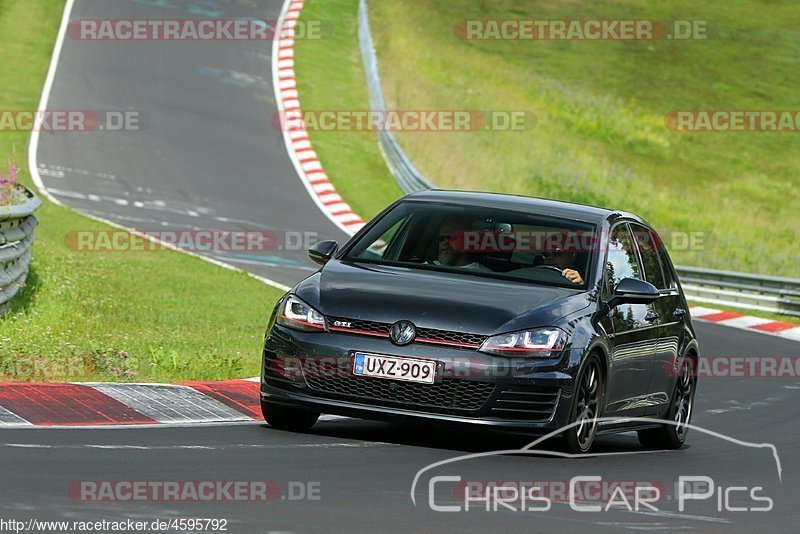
[[16, 237], [742, 290], [408, 177]]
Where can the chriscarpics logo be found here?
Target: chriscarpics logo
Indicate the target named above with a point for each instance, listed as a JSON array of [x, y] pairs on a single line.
[[537, 478]]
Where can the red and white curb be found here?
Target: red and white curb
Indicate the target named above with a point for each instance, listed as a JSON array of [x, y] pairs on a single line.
[[99, 404], [298, 143], [70, 404], [746, 322]]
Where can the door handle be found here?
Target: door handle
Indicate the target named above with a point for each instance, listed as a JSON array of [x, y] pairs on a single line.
[[679, 312], [651, 316]]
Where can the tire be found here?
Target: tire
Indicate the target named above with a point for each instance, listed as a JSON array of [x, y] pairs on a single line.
[[673, 436], [286, 418], [589, 393]]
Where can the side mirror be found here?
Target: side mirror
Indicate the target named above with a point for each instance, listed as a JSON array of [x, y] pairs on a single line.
[[633, 291], [323, 251]]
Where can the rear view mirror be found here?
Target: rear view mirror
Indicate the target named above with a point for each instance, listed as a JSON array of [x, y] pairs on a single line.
[[323, 251], [633, 291]]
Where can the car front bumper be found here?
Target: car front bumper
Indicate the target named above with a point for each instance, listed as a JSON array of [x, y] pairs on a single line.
[[313, 371]]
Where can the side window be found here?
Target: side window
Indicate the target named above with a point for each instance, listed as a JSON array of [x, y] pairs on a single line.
[[622, 261], [650, 250], [386, 243]]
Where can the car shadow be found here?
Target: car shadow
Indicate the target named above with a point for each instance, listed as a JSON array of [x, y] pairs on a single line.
[[459, 439]]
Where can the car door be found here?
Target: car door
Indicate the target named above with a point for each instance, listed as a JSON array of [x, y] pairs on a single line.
[[669, 308], [633, 331]]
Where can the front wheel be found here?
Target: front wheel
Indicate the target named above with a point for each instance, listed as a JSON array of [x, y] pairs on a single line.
[[586, 408], [286, 418], [673, 435]]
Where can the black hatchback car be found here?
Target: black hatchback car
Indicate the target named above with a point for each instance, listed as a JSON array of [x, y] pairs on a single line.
[[494, 310]]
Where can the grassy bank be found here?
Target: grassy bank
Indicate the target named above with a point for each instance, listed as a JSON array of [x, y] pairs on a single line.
[[153, 316], [600, 135], [330, 76]]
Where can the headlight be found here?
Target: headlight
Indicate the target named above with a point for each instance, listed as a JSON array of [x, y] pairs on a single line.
[[296, 314], [539, 343]]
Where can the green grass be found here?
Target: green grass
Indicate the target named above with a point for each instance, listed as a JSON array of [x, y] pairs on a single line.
[[154, 316], [330, 76], [600, 136]]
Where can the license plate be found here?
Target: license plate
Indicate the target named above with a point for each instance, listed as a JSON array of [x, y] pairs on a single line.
[[390, 367]]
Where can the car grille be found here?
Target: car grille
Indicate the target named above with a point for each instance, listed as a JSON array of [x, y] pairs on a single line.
[[450, 393], [530, 403], [424, 335]]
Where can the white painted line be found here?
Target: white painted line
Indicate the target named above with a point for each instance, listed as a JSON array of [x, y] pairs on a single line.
[[10, 418], [33, 146], [170, 403]]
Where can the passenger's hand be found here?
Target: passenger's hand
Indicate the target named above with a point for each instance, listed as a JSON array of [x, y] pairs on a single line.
[[573, 276]]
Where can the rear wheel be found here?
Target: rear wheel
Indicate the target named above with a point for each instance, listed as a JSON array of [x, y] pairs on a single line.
[[673, 436], [286, 418], [586, 408]]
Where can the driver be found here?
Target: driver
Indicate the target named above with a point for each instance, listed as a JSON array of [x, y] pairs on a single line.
[[565, 261]]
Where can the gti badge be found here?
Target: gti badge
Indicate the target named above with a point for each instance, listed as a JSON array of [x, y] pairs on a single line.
[[403, 332]]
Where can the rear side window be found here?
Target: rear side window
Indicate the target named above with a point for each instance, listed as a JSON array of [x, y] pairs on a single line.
[[652, 252], [622, 261]]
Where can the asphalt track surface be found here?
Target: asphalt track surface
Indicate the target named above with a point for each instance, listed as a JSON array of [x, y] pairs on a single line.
[[209, 152], [206, 156]]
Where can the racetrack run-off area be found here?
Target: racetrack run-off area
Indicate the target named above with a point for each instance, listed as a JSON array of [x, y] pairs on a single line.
[[210, 158]]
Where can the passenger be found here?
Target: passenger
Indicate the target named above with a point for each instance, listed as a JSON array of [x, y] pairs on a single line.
[[446, 254]]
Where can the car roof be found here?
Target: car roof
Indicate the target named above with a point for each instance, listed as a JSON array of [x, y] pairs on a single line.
[[539, 206]]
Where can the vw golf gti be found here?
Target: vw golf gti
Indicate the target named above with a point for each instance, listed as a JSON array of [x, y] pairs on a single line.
[[488, 309]]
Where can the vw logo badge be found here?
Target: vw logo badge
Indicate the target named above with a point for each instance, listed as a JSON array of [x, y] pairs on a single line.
[[403, 332]]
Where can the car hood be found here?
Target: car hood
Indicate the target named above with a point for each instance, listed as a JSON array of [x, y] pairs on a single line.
[[433, 299]]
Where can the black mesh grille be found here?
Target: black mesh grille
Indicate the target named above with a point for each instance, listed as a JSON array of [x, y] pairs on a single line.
[[450, 393], [529, 403], [451, 337], [428, 334]]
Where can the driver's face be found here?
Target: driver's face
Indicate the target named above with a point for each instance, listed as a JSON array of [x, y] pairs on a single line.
[[559, 258]]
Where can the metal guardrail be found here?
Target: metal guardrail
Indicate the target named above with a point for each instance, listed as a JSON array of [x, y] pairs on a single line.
[[16, 237], [408, 177], [723, 288], [741, 290]]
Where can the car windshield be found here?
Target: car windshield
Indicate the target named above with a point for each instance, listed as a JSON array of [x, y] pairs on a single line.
[[489, 242]]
